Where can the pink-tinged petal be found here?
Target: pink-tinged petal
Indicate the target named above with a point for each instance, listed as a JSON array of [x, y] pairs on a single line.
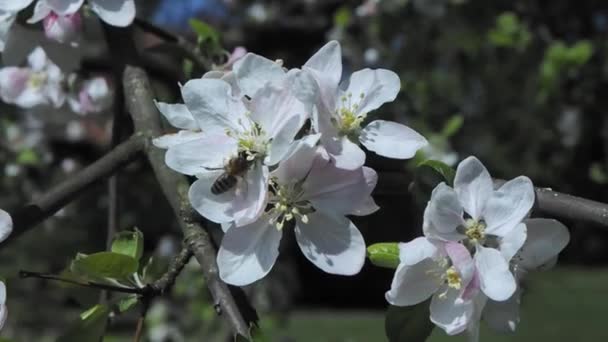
[[169, 140], [210, 151], [298, 161], [391, 139], [472, 288], [508, 206], [253, 72], [216, 208], [214, 108], [346, 154], [6, 22], [119, 13], [462, 260], [248, 253], [511, 243], [417, 250], [249, 204], [336, 190], [41, 11], [64, 29], [373, 88], [546, 238], [64, 7], [496, 280], [13, 82], [332, 243], [6, 225], [503, 316], [14, 5], [451, 313], [443, 214], [473, 185], [178, 115], [413, 284]]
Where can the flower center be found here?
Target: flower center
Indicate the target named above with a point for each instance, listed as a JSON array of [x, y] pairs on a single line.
[[452, 278], [287, 204], [348, 120], [475, 230], [37, 79], [251, 140]]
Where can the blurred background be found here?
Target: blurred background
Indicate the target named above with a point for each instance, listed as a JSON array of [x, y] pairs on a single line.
[[521, 84]]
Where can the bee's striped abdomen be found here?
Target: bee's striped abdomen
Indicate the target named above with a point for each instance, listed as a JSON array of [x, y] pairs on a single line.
[[223, 183]]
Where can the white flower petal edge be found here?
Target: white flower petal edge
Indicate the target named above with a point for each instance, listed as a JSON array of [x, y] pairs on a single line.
[[3, 309], [473, 185], [119, 13], [391, 139], [6, 225], [248, 253], [332, 243], [178, 115], [546, 239], [253, 72], [451, 313], [14, 5], [496, 280], [508, 205]]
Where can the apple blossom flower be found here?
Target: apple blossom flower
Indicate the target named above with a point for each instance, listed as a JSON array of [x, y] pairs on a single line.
[[261, 129], [65, 28], [340, 114], [310, 192], [443, 270], [41, 83], [94, 97], [492, 228]]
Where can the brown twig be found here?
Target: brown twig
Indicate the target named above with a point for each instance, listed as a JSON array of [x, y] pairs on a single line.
[[175, 187]]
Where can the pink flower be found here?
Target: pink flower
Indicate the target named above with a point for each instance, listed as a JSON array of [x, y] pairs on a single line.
[[62, 28]]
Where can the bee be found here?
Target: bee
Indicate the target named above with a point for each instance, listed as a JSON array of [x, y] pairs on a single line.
[[234, 168]]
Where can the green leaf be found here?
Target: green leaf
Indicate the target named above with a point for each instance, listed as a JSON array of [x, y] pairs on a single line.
[[130, 243], [204, 31], [384, 254], [28, 157], [452, 126], [408, 323], [127, 303], [441, 168], [90, 327], [342, 17], [105, 265]]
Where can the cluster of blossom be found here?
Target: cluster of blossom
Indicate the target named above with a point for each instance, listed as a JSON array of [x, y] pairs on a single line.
[[262, 168], [478, 244], [62, 19], [41, 82]]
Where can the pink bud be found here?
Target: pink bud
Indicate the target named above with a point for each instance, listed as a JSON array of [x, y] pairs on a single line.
[[62, 28]]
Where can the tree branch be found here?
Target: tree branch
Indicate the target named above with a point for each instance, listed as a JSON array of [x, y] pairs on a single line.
[[60, 195], [167, 280], [175, 187]]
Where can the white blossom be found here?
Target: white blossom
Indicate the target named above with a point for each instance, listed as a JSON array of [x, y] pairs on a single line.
[[94, 96], [307, 190]]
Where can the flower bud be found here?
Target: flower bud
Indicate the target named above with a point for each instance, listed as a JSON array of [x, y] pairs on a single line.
[[62, 28]]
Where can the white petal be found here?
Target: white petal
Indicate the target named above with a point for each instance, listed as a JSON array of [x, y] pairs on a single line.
[[210, 151], [443, 214], [325, 66], [215, 208], [274, 107], [336, 190], [332, 243], [3, 308], [41, 11], [253, 72], [178, 115], [214, 108], [304, 88], [348, 155], [508, 206], [169, 140], [451, 313], [375, 86], [367, 207], [462, 260], [298, 161], [511, 243], [6, 226], [250, 203], [114, 12], [473, 185], [412, 284], [391, 139], [503, 316], [496, 280], [546, 238], [2, 293], [248, 253], [37, 59], [14, 5], [415, 251], [6, 22], [63, 7]]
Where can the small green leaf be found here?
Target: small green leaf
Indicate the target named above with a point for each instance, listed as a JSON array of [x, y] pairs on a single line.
[[28, 157], [130, 243], [452, 126], [384, 254], [127, 303], [408, 323], [342, 17], [441, 168], [204, 31], [90, 327], [105, 265]]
